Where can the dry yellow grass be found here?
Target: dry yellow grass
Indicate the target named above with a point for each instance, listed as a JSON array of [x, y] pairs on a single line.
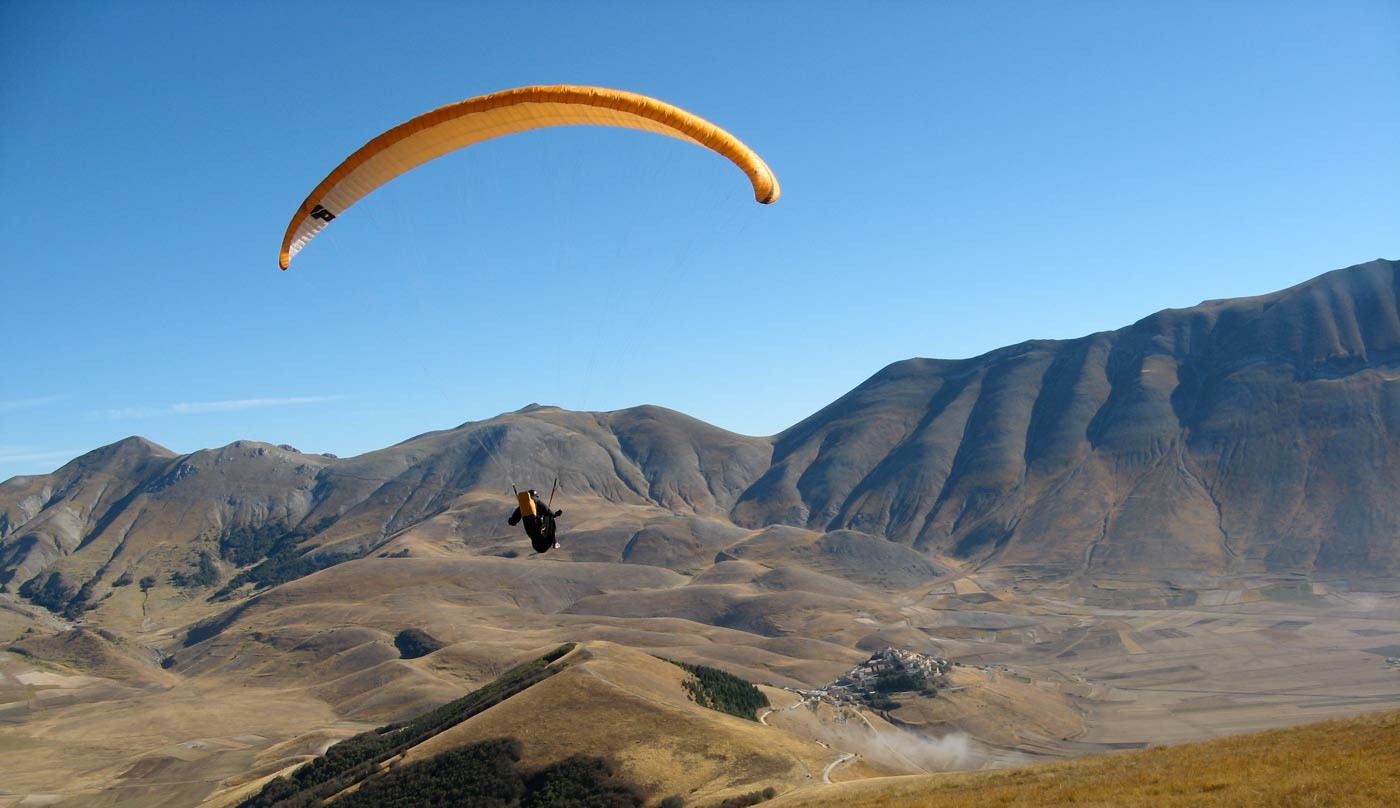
[[1353, 762], [994, 707], [620, 703]]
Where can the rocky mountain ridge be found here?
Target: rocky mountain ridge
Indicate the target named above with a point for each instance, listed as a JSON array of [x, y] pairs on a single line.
[[1251, 436]]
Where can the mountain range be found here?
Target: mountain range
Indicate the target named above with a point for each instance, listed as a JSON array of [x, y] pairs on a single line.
[[1182, 528], [1243, 437]]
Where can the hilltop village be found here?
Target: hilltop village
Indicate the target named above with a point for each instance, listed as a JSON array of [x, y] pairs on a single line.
[[889, 671]]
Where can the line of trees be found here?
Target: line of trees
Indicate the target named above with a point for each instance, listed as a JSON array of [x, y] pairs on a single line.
[[274, 549], [284, 565], [723, 691], [486, 775], [357, 759], [481, 774]]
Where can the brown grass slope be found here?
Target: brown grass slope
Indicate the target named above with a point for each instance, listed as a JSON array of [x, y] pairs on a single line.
[[631, 707], [337, 625], [90, 652], [1354, 762]]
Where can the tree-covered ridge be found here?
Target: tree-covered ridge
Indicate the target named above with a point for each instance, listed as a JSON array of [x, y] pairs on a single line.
[[242, 545], [719, 690], [484, 775], [580, 782], [273, 548], [282, 566], [356, 759]]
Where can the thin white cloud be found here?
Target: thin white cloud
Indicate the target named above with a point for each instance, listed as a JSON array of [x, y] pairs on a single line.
[[206, 407], [16, 404], [196, 407]]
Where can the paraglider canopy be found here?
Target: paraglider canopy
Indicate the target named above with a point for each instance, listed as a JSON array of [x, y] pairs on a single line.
[[462, 124]]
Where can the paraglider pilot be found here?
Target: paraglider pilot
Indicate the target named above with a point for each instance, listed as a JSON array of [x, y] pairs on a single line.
[[538, 519]]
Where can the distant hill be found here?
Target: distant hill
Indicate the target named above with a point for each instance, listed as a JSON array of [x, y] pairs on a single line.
[[134, 509], [1257, 435]]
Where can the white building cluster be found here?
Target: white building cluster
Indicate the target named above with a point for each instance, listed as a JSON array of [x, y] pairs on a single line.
[[863, 678]]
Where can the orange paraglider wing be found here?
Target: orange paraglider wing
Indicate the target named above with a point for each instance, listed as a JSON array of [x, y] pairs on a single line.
[[456, 126]]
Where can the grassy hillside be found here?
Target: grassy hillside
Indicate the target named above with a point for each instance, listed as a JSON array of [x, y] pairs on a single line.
[[356, 759], [633, 709], [605, 726], [1355, 762]]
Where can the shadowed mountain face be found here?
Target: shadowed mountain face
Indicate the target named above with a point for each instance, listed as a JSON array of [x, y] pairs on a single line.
[[1241, 436], [1235, 436]]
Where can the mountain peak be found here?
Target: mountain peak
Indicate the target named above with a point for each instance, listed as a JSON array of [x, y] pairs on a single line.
[[1243, 436], [1253, 434], [127, 452]]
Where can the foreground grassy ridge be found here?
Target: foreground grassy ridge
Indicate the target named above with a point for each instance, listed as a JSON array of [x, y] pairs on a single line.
[[1353, 762], [357, 759]]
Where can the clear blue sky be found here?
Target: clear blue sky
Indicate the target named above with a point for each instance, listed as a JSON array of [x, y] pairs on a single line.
[[957, 177]]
